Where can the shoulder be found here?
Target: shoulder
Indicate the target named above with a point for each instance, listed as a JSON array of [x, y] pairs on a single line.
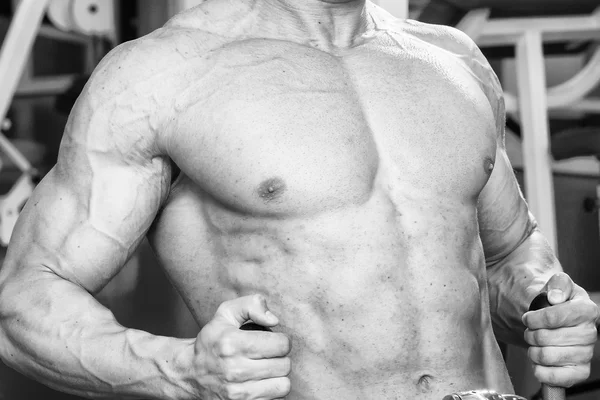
[[158, 64], [144, 77], [152, 58], [126, 100], [444, 37], [461, 46]]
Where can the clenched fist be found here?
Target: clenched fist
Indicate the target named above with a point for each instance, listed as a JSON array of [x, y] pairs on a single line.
[[236, 364], [562, 337]]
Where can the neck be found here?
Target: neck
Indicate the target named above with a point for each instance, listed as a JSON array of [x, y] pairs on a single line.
[[323, 23]]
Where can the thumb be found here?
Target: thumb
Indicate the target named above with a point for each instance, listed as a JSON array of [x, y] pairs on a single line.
[[243, 309], [559, 288]]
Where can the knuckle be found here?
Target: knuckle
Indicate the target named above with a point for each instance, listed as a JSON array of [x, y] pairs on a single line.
[[593, 335], [208, 331], [546, 374], [234, 392], [590, 307], [226, 347], [587, 335], [561, 276], [552, 376], [562, 376], [224, 307], [232, 372], [589, 311], [588, 355], [259, 299], [541, 336], [574, 376], [591, 330], [552, 319], [539, 373], [546, 357]]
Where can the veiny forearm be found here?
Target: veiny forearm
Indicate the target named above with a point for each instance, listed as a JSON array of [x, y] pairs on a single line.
[[514, 281], [57, 333]]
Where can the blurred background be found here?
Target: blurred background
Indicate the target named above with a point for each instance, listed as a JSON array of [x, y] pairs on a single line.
[[546, 53]]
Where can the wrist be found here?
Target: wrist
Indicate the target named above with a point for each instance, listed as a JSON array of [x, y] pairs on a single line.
[[180, 372]]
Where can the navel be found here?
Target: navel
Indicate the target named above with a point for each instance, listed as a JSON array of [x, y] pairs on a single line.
[[425, 383], [271, 189]]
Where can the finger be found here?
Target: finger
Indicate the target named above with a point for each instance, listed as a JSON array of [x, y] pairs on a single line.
[[242, 370], [249, 308], [581, 335], [561, 376], [559, 288], [258, 345], [569, 314], [267, 389], [250, 344], [561, 356]]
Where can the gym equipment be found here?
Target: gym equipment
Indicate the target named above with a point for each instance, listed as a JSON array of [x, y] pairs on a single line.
[[548, 392], [251, 326], [482, 395], [398, 8], [88, 17], [528, 36]]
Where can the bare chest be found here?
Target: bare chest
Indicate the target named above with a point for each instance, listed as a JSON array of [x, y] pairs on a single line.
[[279, 128]]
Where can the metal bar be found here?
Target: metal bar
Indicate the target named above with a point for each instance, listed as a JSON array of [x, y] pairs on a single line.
[[510, 30], [571, 91], [177, 6], [589, 105], [473, 24], [17, 47], [398, 8], [13, 57], [47, 86], [531, 78]]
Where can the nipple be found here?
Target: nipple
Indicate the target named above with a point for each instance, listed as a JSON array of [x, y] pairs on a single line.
[[488, 165], [271, 189]]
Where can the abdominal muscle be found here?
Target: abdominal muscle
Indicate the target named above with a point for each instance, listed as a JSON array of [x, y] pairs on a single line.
[[377, 306]]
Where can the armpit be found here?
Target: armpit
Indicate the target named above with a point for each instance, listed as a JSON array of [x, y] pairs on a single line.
[[497, 248]]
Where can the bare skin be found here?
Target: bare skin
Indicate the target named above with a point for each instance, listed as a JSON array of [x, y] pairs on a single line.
[[347, 166]]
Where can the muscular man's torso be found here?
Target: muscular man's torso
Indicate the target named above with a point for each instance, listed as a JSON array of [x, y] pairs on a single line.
[[343, 186]]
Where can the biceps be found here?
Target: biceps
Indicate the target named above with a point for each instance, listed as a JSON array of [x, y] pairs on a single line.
[[504, 218], [84, 226]]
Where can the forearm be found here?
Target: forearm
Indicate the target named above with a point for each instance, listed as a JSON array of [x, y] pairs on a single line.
[[55, 332], [514, 281]]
